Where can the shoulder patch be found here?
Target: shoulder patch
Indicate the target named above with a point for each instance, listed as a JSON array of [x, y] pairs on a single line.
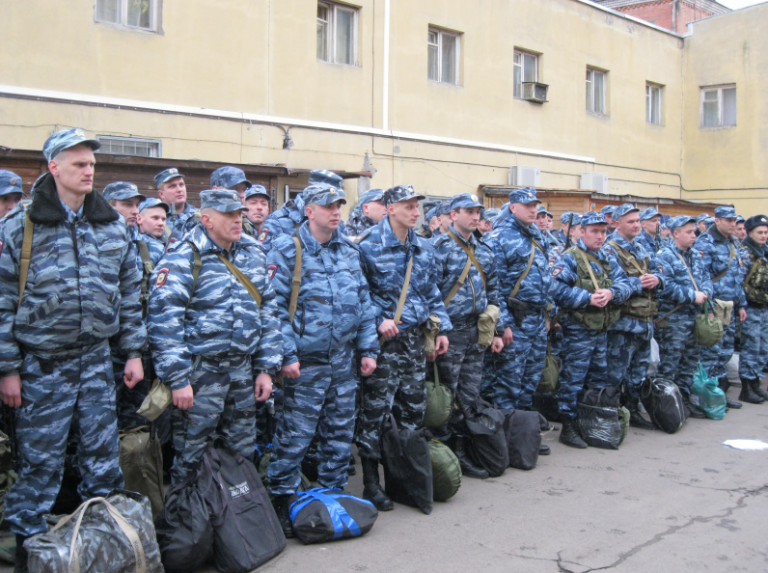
[[162, 276], [556, 271], [661, 269], [701, 253], [1, 247], [263, 235], [271, 270]]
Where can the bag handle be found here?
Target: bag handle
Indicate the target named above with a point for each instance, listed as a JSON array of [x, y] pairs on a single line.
[[296, 281], [459, 282], [243, 279], [589, 269], [339, 516], [470, 255], [26, 254], [127, 529], [524, 274], [730, 259], [403, 295], [695, 286]]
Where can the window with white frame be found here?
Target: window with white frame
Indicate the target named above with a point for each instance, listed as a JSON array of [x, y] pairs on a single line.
[[141, 14], [526, 69], [443, 56], [596, 83], [653, 103], [718, 106], [129, 146], [337, 33]]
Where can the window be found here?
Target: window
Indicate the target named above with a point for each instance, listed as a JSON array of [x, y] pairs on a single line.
[[718, 106], [596, 91], [526, 70], [336, 34], [653, 103], [129, 146], [141, 14], [443, 55]]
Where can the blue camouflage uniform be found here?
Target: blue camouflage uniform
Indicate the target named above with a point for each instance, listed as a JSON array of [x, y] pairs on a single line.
[[678, 350], [584, 349], [82, 289], [460, 368], [649, 243], [721, 258], [398, 382], [754, 335], [177, 224], [214, 336], [358, 221], [334, 318], [518, 367], [629, 338]]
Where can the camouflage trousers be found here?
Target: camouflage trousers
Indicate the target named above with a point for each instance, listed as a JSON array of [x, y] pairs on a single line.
[[519, 365], [397, 385], [584, 355], [715, 358], [224, 407], [55, 395], [678, 350], [461, 369], [629, 355], [754, 343], [322, 401]]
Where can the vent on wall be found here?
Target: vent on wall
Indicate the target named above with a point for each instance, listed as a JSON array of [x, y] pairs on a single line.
[[524, 176], [594, 182]]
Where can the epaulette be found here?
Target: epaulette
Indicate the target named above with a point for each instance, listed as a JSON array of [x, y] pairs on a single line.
[[351, 242], [364, 235]]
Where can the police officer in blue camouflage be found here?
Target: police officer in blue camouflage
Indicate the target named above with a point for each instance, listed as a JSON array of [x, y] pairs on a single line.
[[754, 335], [388, 250], [234, 179], [172, 190], [151, 221], [331, 318], [215, 340], [650, 234], [461, 367], [569, 219], [11, 191], [487, 217], [258, 200], [522, 266], [543, 217], [629, 338], [443, 214], [82, 289], [721, 258], [369, 211], [607, 212], [590, 307], [687, 286], [573, 228]]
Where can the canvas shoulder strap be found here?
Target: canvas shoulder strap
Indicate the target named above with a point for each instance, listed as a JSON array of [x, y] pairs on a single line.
[[197, 265], [585, 257], [26, 254], [244, 280], [296, 281], [459, 282], [626, 255], [470, 254], [404, 292], [695, 286], [731, 255]]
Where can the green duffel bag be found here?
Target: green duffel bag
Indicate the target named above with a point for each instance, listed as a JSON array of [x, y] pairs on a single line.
[[446, 471], [624, 421], [707, 330], [551, 373], [141, 461], [439, 402]]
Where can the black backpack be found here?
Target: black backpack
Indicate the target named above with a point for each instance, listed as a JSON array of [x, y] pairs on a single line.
[[407, 466], [664, 404], [523, 432], [598, 417], [487, 444]]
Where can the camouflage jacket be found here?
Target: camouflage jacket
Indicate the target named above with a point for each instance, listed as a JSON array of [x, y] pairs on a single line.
[[284, 221], [475, 294], [385, 260], [77, 293], [678, 288], [715, 251], [334, 305], [220, 319], [358, 222]]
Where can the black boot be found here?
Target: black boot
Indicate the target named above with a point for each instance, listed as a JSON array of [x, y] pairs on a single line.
[[757, 390], [723, 384], [747, 394], [467, 467], [351, 469], [372, 489], [636, 419], [282, 504], [21, 555], [544, 450], [569, 435], [693, 410]]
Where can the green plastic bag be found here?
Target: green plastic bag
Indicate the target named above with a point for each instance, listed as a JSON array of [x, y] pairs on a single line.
[[446, 471], [439, 402], [624, 421], [711, 398]]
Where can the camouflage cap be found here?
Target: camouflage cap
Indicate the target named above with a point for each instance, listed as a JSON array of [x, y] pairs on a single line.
[[151, 202], [676, 222], [624, 209], [709, 221], [725, 212], [10, 183], [701, 217], [223, 200], [166, 175], [649, 213], [430, 214], [756, 221], [593, 218], [324, 195], [326, 177], [443, 208], [229, 177], [257, 191], [121, 191], [464, 201], [608, 210], [524, 195], [400, 193], [370, 196], [740, 219], [543, 209], [490, 214], [570, 217], [65, 139]]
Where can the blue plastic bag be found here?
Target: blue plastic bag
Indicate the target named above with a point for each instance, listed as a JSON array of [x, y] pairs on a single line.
[[711, 397]]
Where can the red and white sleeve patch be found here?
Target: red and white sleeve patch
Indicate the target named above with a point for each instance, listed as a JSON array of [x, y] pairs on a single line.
[[271, 270], [162, 276]]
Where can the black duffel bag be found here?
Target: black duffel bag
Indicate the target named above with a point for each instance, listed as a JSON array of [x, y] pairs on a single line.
[[523, 432], [407, 466], [487, 444], [598, 417], [664, 404], [325, 514]]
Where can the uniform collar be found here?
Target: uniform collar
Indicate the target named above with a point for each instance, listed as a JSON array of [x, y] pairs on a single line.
[[472, 238], [203, 241], [310, 243], [599, 254], [388, 237], [717, 235]]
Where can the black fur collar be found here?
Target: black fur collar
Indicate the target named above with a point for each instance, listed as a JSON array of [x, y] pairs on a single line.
[[46, 208]]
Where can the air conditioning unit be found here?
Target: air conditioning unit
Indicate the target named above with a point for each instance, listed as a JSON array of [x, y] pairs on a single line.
[[535, 92], [594, 182], [524, 176]]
